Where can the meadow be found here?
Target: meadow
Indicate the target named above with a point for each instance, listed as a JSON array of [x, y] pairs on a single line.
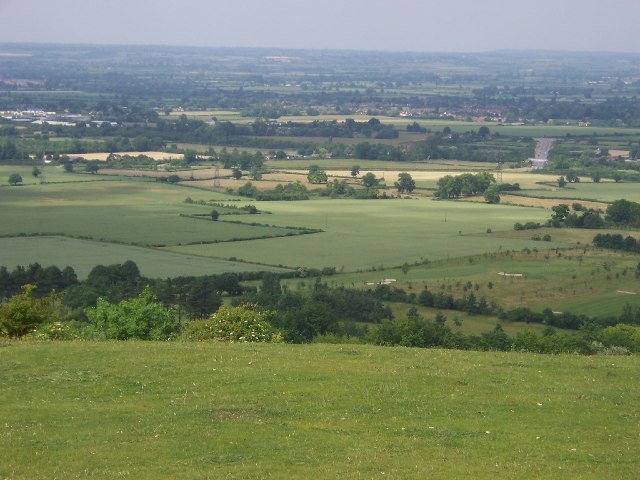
[[128, 211], [365, 234], [83, 255], [445, 243], [180, 410]]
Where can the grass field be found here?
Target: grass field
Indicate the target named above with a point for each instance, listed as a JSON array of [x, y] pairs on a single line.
[[135, 212], [174, 410], [365, 240], [83, 255], [52, 175], [361, 234], [591, 282]]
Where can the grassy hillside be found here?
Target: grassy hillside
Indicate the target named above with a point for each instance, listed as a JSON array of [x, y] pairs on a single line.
[[174, 410]]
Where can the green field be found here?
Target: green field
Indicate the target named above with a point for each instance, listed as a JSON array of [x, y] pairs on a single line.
[[360, 234], [52, 174], [83, 255], [445, 243], [175, 410], [132, 212]]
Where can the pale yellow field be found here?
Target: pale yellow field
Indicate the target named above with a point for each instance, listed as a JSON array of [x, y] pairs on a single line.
[[545, 202], [268, 182], [196, 173], [102, 157]]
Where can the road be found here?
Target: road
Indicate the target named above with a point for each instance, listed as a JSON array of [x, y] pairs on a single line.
[[543, 147]]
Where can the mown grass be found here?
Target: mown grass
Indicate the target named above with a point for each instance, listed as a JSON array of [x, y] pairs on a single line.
[[174, 410]]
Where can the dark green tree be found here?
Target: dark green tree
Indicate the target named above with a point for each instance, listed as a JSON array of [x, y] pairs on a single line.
[[369, 180], [405, 183], [317, 175], [15, 179], [492, 194]]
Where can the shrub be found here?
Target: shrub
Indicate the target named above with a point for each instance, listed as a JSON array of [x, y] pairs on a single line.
[[232, 324], [141, 317], [22, 313]]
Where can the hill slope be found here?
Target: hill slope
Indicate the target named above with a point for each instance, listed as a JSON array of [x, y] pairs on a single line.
[[176, 410]]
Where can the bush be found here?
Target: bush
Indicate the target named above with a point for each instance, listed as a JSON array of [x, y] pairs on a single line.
[[23, 313], [141, 317], [232, 324]]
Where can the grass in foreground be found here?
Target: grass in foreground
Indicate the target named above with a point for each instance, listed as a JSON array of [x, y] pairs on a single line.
[[172, 410]]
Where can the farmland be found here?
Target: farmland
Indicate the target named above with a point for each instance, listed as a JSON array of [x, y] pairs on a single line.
[[254, 191], [83, 255], [424, 228]]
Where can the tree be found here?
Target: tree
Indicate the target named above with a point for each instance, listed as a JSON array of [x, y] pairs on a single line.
[[92, 167], [22, 313], [236, 173], [256, 174], [561, 182], [15, 179], [484, 131], [559, 214], [35, 172], [571, 178], [317, 175], [369, 180], [405, 183], [203, 298], [596, 177], [173, 178], [68, 167], [355, 170], [142, 318], [492, 194], [214, 215]]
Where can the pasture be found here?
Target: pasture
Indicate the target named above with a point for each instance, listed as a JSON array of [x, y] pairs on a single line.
[[53, 174], [365, 234], [83, 255], [590, 282], [181, 410], [131, 212]]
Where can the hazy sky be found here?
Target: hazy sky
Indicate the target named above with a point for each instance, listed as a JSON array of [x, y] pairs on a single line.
[[401, 25]]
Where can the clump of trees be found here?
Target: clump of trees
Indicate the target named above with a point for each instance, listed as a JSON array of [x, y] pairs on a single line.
[[582, 218], [616, 242], [465, 185], [289, 191], [624, 213]]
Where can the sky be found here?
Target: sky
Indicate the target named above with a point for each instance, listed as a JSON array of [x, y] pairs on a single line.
[[387, 25]]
